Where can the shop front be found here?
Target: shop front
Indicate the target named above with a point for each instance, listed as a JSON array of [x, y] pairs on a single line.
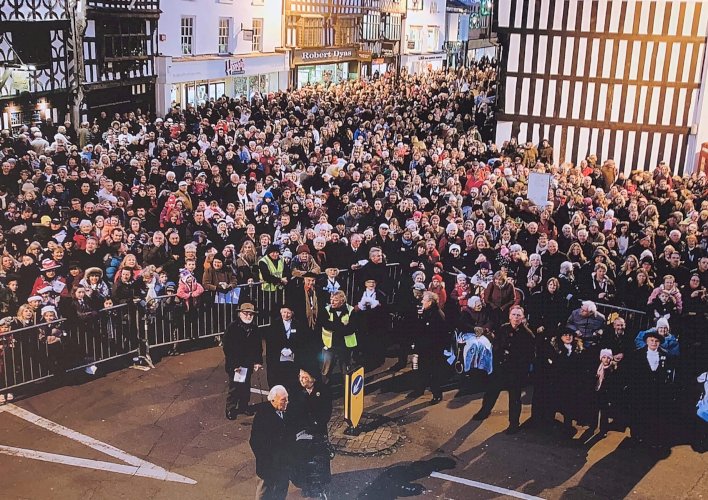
[[420, 63], [387, 60], [327, 66], [194, 80]]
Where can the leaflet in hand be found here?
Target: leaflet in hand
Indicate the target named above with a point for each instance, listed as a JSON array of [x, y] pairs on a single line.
[[302, 435], [240, 374]]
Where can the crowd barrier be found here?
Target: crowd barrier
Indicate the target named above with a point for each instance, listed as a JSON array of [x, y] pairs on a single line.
[[635, 320], [131, 330]]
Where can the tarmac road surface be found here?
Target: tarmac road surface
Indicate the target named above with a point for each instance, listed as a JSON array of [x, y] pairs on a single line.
[[162, 434]]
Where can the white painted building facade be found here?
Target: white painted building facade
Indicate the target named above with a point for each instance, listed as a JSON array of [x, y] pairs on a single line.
[[210, 48], [424, 35]]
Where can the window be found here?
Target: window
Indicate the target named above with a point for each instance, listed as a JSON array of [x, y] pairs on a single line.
[[415, 39], [33, 46], [346, 31], [432, 43], [224, 35], [310, 31], [187, 36], [392, 27], [415, 4], [257, 42], [123, 43], [371, 28]]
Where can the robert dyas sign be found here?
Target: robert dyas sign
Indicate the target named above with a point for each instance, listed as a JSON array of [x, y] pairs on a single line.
[[317, 56]]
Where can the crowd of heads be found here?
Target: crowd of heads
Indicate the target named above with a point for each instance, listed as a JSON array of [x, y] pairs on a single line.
[[396, 169]]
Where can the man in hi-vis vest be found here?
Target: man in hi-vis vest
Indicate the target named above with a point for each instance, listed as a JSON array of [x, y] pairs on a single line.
[[339, 327], [273, 276]]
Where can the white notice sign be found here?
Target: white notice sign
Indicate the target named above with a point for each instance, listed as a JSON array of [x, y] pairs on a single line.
[[538, 188]]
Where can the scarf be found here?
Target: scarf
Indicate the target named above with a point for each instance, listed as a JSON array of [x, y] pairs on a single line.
[[311, 308]]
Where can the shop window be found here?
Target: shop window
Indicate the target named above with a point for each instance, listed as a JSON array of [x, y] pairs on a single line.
[[187, 35], [257, 43], [310, 32], [224, 35], [346, 31]]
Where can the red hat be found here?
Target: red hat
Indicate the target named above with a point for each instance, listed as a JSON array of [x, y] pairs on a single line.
[[303, 249], [49, 265], [437, 277]]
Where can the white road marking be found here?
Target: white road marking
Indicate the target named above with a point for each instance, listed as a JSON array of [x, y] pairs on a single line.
[[484, 486], [259, 391], [86, 463], [140, 467]]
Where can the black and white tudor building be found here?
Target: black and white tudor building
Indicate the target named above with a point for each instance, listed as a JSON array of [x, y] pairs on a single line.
[[43, 76]]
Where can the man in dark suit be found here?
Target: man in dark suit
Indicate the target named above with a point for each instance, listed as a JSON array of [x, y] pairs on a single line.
[[272, 441], [242, 351], [307, 302], [286, 348], [651, 377]]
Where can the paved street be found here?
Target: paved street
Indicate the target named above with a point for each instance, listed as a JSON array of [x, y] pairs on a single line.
[[173, 419]]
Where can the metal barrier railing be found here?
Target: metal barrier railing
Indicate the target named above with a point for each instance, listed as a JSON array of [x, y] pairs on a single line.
[[132, 329], [635, 320]]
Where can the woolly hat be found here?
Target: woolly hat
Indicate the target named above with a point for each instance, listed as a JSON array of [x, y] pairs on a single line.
[[606, 352], [455, 246], [662, 323]]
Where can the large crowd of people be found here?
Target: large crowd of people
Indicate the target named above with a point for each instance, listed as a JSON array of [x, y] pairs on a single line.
[[295, 190]]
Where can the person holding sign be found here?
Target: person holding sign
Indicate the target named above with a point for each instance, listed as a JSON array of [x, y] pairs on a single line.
[[243, 354]]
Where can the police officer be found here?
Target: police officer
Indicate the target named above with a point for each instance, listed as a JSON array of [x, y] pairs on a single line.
[[514, 350]]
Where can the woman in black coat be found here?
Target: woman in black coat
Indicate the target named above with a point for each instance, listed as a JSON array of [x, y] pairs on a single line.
[[431, 339], [563, 376], [547, 310]]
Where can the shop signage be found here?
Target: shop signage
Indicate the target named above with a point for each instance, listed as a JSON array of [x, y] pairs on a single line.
[[388, 49], [437, 57], [235, 67], [334, 54], [378, 60]]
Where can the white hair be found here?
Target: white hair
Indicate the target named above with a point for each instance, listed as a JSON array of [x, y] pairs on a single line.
[[566, 267], [275, 391], [590, 306]]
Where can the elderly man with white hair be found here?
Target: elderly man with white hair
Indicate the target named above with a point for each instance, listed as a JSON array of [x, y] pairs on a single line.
[[272, 441]]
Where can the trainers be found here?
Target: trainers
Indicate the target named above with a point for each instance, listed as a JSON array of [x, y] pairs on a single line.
[[231, 414]]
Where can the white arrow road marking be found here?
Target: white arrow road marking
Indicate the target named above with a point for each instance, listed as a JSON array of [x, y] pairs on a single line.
[[130, 470], [138, 467], [484, 486]]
